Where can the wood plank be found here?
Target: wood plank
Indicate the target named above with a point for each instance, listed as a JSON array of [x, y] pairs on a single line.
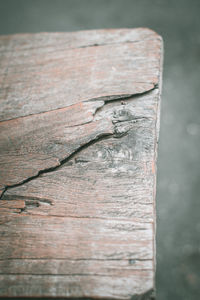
[[78, 139]]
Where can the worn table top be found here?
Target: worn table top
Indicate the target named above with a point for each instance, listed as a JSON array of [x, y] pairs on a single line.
[[79, 121]]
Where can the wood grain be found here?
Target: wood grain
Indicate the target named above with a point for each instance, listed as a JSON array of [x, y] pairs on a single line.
[[78, 140]]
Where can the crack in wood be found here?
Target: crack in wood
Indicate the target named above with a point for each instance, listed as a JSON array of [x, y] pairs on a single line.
[[102, 100], [122, 119], [75, 260], [61, 163]]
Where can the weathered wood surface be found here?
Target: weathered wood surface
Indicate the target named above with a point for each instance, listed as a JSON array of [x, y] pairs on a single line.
[[79, 122]]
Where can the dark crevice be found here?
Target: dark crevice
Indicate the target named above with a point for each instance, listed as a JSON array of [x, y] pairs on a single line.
[[29, 204], [2, 194], [117, 133], [123, 97], [78, 259], [61, 163], [128, 41], [105, 99], [28, 199]]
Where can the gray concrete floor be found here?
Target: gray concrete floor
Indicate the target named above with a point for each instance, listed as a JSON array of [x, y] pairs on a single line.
[[178, 188]]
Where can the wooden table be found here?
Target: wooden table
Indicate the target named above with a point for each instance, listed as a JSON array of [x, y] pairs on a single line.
[[79, 122]]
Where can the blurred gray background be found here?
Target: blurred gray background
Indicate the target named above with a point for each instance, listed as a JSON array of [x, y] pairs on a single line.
[[178, 185]]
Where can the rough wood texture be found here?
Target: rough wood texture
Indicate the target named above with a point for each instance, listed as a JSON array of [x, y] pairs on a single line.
[[79, 123]]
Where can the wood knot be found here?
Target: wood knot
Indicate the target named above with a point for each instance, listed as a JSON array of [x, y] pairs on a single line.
[[122, 115]]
